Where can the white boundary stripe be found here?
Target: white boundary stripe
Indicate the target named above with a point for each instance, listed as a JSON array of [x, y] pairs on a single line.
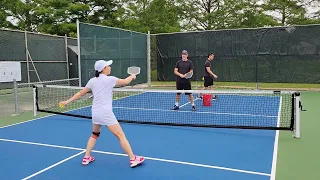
[[275, 149], [41, 144], [191, 164], [150, 158], [197, 112], [54, 165], [188, 103]]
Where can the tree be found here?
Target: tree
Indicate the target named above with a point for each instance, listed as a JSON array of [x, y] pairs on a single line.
[[4, 5], [221, 14], [59, 16], [253, 16], [287, 12], [20, 12], [151, 15]]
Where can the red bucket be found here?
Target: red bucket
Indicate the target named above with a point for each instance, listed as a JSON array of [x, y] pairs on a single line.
[[206, 99]]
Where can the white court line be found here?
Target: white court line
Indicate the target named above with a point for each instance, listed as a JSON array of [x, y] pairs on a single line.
[[188, 103], [275, 149], [41, 144], [197, 112], [192, 164], [150, 158], [54, 165]]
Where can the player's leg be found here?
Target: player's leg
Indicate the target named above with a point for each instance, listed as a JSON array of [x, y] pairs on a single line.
[[124, 143], [200, 94], [187, 86], [178, 87], [205, 86], [91, 143], [210, 85]]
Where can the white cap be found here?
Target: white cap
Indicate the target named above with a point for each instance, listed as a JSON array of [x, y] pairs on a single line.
[[101, 64]]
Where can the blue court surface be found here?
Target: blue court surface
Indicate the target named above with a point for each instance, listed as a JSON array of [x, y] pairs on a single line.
[[52, 147]]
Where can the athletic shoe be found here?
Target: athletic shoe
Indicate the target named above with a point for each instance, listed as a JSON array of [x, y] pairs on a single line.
[[193, 108], [87, 160], [175, 107], [138, 160]]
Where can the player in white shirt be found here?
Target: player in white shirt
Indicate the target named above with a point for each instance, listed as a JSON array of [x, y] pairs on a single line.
[[102, 114]]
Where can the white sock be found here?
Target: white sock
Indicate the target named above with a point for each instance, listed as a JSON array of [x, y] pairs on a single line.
[[177, 104], [193, 104]]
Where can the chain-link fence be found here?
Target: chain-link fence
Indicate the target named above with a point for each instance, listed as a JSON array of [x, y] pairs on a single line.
[[126, 48], [260, 55], [42, 57]]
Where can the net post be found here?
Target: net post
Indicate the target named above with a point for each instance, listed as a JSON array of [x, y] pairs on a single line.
[[15, 87], [297, 112], [149, 59], [34, 101], [79, 53]]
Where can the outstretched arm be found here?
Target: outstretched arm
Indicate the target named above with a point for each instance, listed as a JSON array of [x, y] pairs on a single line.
[[126, 81], [76, 96]]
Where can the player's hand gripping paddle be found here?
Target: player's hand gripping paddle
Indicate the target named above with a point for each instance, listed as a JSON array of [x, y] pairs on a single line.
[[133, 70], [189, 75]]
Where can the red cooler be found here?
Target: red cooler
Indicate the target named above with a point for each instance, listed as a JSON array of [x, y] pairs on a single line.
[[206, 99]]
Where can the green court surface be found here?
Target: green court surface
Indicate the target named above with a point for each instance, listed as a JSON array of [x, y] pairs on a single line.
[[297, 159]]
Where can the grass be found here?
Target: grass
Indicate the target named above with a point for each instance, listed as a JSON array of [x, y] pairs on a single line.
[[8, 120]]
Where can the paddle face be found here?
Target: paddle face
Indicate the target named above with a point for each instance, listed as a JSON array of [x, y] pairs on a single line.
[[133, 70], [189, 75]]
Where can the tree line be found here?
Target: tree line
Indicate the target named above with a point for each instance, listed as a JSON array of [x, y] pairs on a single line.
[[157, 16]]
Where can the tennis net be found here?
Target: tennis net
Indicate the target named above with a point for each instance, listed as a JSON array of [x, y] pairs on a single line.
[[232, 109]]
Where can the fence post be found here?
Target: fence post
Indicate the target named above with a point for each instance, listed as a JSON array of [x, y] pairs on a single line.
[[67, 56], [257, 77], [79, 52], [15, 87], [27, 57], [149, 59]]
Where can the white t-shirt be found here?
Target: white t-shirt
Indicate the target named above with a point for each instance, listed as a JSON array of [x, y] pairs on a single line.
[[101, 88]]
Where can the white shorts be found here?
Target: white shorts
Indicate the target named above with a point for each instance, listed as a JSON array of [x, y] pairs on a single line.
[[106, 118]]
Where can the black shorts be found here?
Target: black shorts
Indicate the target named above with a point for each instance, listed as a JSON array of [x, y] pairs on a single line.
[[208, 81], [183, 86]]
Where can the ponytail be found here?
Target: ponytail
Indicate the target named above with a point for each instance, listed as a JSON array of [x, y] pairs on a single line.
[[97, 73]]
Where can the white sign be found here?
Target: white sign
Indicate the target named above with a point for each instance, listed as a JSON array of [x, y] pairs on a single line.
[[10, 70]]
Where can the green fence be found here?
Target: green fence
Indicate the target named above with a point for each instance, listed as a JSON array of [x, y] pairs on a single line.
[[275, 55], [125, 48]]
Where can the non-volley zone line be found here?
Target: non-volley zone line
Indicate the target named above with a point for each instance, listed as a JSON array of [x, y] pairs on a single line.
[[119, 154], [197, 112]]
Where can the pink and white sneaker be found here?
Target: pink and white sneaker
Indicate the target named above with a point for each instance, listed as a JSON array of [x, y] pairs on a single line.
[[87, 160], [138, 160]]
